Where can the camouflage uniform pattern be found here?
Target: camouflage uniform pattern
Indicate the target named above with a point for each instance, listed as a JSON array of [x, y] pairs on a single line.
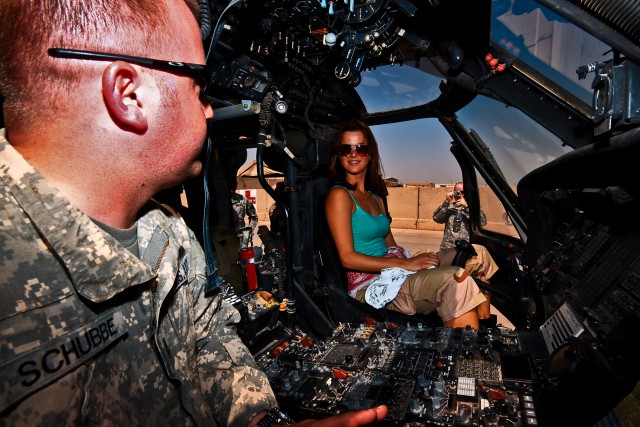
[[243, 208], [157, 351], [277, 219], [445, 214]]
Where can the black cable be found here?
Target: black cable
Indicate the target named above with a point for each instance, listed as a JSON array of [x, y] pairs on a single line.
[[211, 270], [218, 28], [312, 128], [205, 18]]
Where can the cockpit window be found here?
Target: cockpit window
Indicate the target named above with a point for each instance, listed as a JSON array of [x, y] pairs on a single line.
[[394, 87], [517, 143]]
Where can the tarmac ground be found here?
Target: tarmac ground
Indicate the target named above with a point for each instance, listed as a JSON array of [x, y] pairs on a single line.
[[417, 240]]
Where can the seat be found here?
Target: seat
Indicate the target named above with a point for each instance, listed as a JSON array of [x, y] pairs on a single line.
[[341, 307]]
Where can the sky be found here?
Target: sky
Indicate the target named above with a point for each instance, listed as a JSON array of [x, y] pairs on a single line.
[[417, 152]]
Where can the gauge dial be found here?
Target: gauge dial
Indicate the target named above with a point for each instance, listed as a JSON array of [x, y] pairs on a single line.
[[342, 70]]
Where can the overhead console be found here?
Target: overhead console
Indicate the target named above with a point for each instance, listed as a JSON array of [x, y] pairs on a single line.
[[311, 53]]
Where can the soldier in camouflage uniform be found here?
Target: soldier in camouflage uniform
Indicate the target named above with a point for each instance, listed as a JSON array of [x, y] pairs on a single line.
[[103, 313], [277, 217], [75, 325], [243, 208], [454, 214], [93, 332]]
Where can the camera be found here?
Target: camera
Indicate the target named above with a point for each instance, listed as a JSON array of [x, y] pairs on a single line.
[[457, 220]]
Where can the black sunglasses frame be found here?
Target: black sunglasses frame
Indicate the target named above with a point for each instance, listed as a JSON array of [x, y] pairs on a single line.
[[362, 150], [199, 72], [458, 193]]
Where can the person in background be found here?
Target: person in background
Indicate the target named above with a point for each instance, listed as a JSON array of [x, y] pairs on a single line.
[[277, 217], [454, 214], [380, 272], [103, 312], [243, 208]]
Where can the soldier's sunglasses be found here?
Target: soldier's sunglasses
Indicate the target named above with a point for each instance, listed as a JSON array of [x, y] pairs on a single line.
[[360, 149], [198, 72]]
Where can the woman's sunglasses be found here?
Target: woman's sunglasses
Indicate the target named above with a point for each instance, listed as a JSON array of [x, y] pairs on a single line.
[[361, 150]]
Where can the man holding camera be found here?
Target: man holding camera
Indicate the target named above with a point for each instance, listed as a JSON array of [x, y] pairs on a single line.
[[454, 214]]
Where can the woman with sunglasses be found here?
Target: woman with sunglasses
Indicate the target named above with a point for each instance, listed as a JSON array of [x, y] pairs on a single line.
[[380, 272]]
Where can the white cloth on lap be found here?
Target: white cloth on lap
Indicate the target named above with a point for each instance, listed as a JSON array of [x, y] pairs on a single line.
[[384, 288]]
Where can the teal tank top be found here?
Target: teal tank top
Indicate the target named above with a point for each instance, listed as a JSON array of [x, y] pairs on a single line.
[[369, 230]]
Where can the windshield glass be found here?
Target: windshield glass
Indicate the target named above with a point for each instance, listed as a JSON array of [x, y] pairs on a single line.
[[393, 87], [547, 42], [522, 28], [517, 143]]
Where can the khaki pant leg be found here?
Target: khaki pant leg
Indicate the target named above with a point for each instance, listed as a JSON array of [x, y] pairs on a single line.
[[448, 289], [483, 264]]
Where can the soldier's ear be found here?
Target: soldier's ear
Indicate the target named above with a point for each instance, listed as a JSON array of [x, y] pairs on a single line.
[[121, 90]]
